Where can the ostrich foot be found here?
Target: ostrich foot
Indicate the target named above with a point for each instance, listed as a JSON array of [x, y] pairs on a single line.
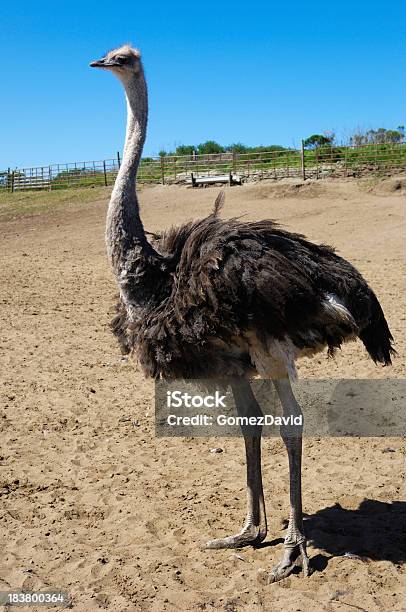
[[250, 535], [294, 556]]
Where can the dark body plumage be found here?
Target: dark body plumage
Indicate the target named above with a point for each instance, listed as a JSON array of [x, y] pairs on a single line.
[[222, 287]]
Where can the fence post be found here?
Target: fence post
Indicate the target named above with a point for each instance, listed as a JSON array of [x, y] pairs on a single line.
[[162, 170], [118, 159], [302, 160], [12, 182], [104, 172]]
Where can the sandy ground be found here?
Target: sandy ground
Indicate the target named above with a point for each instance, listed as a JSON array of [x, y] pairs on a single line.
[[101, 508]]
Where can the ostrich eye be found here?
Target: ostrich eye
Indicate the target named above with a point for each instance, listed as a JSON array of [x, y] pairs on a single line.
[[121, 59]]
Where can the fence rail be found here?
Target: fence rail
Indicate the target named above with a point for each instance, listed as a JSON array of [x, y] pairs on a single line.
[[317, 163]]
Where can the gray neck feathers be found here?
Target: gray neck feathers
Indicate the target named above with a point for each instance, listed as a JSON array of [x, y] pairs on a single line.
[[124, 229]]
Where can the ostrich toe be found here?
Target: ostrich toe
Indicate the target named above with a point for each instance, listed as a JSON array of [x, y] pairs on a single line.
[[293, 557], [248, 536]]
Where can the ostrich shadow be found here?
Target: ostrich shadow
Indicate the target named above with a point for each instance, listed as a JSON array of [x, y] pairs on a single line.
[[375, 531]]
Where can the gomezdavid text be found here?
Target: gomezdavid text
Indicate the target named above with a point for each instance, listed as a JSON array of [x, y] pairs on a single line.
[[259, 421]]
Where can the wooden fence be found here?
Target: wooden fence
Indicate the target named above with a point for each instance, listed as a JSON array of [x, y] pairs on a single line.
[[326, 161]]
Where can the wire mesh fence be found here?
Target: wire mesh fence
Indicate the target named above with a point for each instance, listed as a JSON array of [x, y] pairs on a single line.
[[325, 161]]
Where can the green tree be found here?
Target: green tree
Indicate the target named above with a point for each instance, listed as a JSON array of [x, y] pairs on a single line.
[[266, 148], [237, 147], [162, 153], [379, 136], [185, 150], [318, 140], [208, 147], [394, 136]]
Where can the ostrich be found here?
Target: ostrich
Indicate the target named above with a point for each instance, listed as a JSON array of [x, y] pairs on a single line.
[[230, 299]]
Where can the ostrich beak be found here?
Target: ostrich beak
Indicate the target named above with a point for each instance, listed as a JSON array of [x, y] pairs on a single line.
[[103, 63]]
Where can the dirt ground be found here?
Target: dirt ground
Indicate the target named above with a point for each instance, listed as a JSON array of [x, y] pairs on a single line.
[[98, 506]]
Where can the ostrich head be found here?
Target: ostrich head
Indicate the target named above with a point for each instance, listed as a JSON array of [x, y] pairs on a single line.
[[124, 62]]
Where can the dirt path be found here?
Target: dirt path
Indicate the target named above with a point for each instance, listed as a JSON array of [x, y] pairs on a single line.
[[103, 509]]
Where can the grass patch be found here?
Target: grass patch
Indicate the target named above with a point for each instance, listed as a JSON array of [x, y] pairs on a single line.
[[21, 203]]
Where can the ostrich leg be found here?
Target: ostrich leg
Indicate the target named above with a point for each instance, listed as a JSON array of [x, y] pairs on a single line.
[[254, 529], [295, 541]]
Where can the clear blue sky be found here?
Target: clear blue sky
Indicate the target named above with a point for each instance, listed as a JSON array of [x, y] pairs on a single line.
[[260, 73]]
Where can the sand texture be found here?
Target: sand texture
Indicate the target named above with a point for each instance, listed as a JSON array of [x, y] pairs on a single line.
[[93, 503]]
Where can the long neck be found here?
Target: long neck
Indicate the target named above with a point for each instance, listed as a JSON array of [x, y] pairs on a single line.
[[124, 229]]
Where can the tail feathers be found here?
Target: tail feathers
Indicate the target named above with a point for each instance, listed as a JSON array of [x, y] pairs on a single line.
[[376, 335], [337, 312], [218, 204]]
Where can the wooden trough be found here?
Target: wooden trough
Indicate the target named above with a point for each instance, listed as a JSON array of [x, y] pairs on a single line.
[[230, 178]]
